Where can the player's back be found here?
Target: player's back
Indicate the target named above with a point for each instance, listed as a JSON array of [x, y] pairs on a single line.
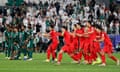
[[67, 38], [107, 39], [54, 36]]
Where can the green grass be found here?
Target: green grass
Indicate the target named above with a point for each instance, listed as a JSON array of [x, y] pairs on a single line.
[[38, 65]]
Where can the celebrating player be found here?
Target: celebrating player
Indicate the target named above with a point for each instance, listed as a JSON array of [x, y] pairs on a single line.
[[53, 45], [107, 49], [67, 44]]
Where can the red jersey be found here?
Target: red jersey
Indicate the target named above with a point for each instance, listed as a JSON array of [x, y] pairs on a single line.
[[107, 43], [93, 34], [80, 31], [53, 35], [80, 39], [96, 45], [75, 40], [67, 38], [107, 40], [87, 36]]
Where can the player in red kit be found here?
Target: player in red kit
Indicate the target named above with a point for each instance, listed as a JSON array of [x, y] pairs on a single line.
[[107, 49], [52, 47], [75, 55], [87, 44], [79, 34], [80, 39], [67, 44], [92, 34], [96, 49], [75, 38]]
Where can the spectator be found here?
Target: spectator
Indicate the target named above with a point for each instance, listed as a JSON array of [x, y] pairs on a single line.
[[112, 7]]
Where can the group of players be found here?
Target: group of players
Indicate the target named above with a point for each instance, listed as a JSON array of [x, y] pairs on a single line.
[[17, 41], [81, 42]]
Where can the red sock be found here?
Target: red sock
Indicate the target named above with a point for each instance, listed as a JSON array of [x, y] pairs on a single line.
[[114, 58], [103, 58], [48, 54], [80, 55], [91, 58], [53, 55], [60, 57], [94, 56], [75, 57], [86, 57]]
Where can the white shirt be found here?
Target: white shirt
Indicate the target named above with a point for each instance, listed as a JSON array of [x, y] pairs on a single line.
[[48, 14], [64, 18], [115, 14], [43, 28], [1, 20], [25, 22], [86, 9], [61, 12], [52, 10], [102, 11]]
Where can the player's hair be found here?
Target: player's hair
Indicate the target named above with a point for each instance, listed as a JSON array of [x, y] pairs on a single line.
[[93, 24], [64, 27], [89, 22], [52, 26], [47, 31], [75, 25], [80, 24], [98, 27]]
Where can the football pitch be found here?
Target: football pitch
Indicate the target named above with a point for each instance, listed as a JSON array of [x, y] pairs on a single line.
[[38, 65]]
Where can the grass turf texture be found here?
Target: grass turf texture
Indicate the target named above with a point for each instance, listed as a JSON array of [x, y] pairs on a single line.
[[38, 65]]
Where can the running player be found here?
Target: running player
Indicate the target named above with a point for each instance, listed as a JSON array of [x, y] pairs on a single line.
[[67, 44], [53, 45], [107, 49]]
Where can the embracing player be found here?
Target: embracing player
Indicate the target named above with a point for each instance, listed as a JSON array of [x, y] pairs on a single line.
[[51, 50], [107, 49]]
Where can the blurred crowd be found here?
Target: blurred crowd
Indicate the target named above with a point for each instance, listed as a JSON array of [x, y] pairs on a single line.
[[40, 15]]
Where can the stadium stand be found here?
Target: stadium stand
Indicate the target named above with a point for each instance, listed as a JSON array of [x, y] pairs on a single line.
[[42, 13]]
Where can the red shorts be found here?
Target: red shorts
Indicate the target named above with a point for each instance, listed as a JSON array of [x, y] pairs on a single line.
[[91, 44], [81, 45], [96, 47], [86, 47], [75, 44], [107, 49], [53, 46], [68, 48]]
